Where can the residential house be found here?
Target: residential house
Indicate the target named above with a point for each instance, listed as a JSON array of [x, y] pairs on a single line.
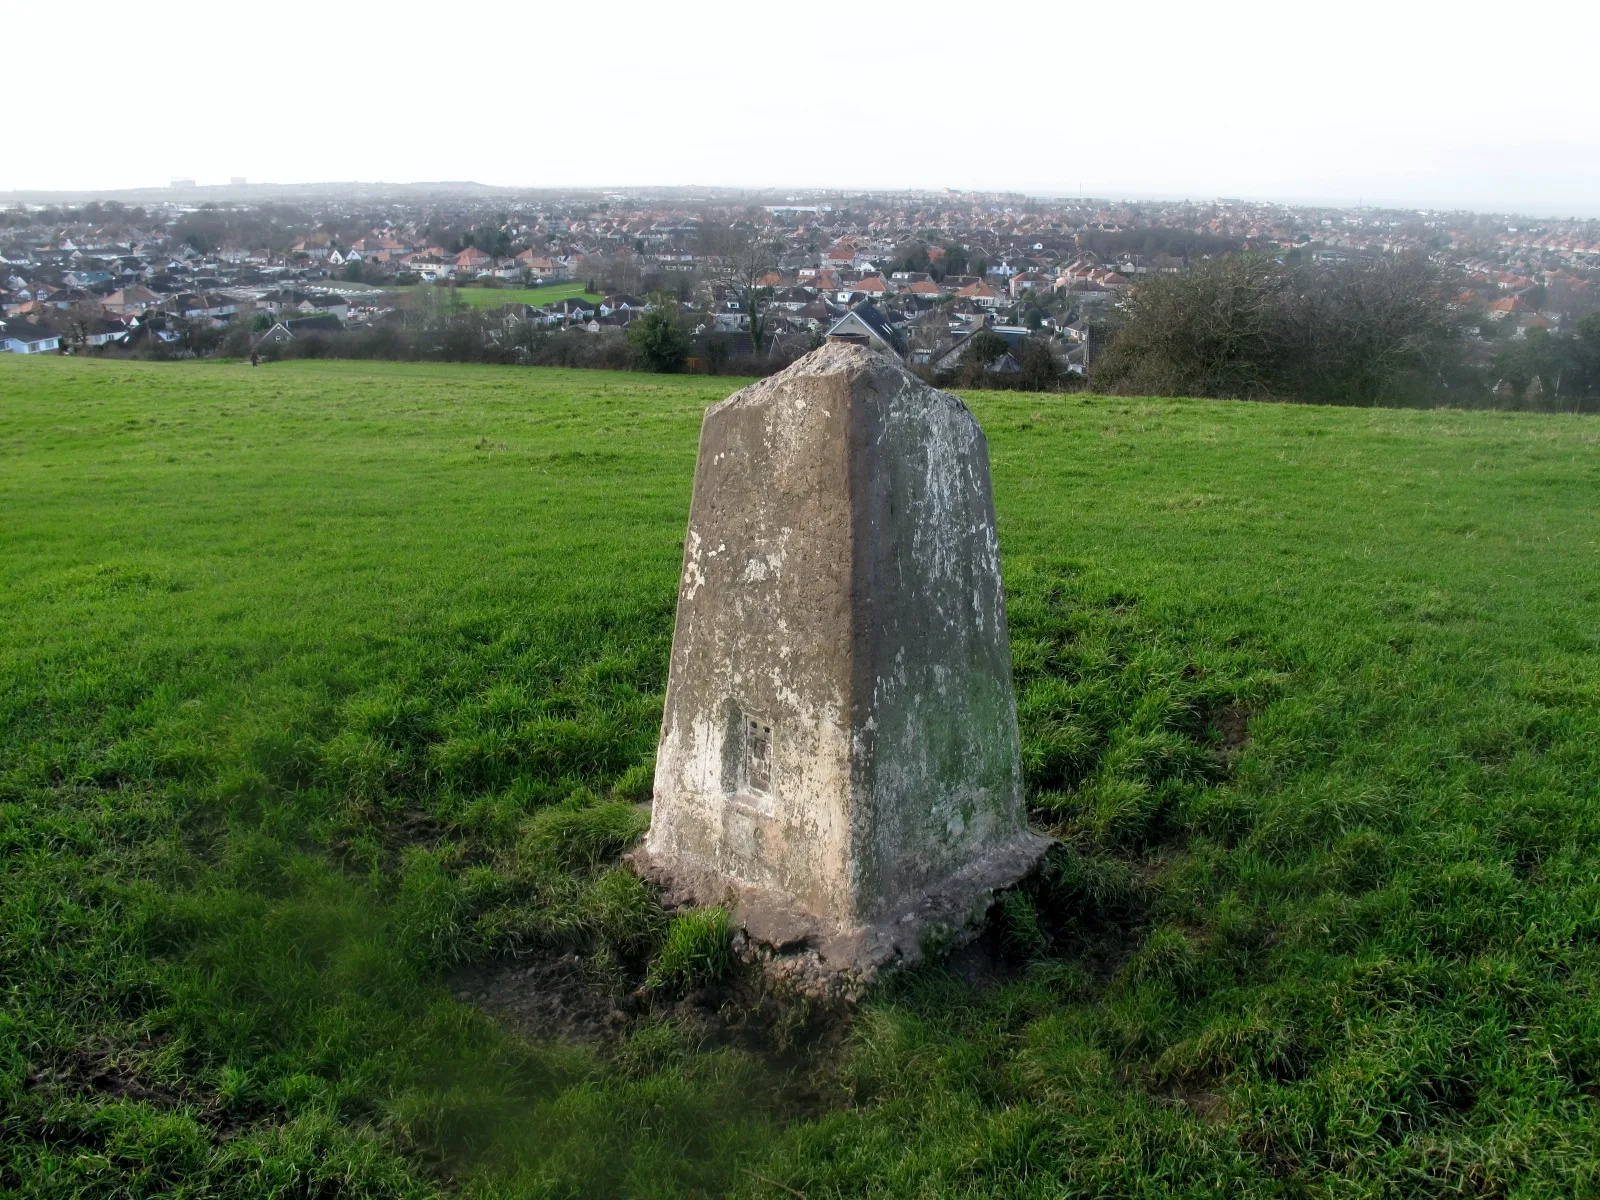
[[621, 303], [287, 331], [813, 316], [194, 306], [1029, 281], [984, 294], [69, 297], [948, 358], [321, 323], [846, 255], [865, 325], [429, 265], [130, 300], [574, 308], [793, 299], [1511, 306], [97, 331], [851, 293], [538, 266], [149, 328], [24, 337], [324, 303]]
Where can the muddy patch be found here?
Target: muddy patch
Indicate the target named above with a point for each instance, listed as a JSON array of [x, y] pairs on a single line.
[[1211, 1107], [551, 999], [985, 962], [1233, 723], [569, 998], [117, 1073]]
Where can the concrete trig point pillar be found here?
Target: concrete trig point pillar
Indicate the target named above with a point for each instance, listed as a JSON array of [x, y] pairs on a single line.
[[839, 752]]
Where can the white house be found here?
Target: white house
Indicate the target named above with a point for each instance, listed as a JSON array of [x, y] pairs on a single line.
[[429, 266], [18, 337]]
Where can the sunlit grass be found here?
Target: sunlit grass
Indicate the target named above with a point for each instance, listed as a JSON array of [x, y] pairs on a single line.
[[491, 297]]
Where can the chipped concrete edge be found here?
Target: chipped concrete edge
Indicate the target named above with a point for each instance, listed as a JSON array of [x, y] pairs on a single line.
[[798, 953]]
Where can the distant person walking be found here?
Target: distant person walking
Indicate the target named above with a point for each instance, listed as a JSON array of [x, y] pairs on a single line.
[[255, 359]]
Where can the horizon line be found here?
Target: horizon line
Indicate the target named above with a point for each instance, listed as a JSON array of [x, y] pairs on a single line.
[[176, 194]]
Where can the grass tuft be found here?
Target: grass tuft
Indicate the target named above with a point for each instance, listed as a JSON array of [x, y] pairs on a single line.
[[581, 833], [698, 949]]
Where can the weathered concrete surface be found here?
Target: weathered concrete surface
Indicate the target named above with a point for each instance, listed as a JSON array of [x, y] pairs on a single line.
[[839, 752]]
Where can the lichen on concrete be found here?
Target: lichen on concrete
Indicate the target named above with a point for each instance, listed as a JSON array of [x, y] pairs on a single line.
[[839, 754]]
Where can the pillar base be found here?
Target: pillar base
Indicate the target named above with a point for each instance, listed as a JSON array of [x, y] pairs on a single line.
[[831, 961]]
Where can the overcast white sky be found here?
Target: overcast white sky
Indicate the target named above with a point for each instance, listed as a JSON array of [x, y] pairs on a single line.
[[1418, 102]]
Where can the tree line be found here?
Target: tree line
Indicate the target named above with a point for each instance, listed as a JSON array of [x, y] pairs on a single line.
[[1550, 370], [1379, 331], [1376, 332], [656, 340]]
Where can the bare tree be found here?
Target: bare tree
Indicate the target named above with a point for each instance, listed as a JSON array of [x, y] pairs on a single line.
[[740, 261], [1352, 331]]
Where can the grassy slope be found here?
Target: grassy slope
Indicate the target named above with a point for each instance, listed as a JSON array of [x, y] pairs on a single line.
[[317, 678]]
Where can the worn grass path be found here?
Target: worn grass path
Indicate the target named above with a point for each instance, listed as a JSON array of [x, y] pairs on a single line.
[[320, 679]]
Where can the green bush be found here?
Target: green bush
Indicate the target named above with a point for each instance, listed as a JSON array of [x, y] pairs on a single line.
[[657, 339], [1250, 327]]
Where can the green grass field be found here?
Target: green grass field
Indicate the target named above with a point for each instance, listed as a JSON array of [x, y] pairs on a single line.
[[321, 683], [479, 297]]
